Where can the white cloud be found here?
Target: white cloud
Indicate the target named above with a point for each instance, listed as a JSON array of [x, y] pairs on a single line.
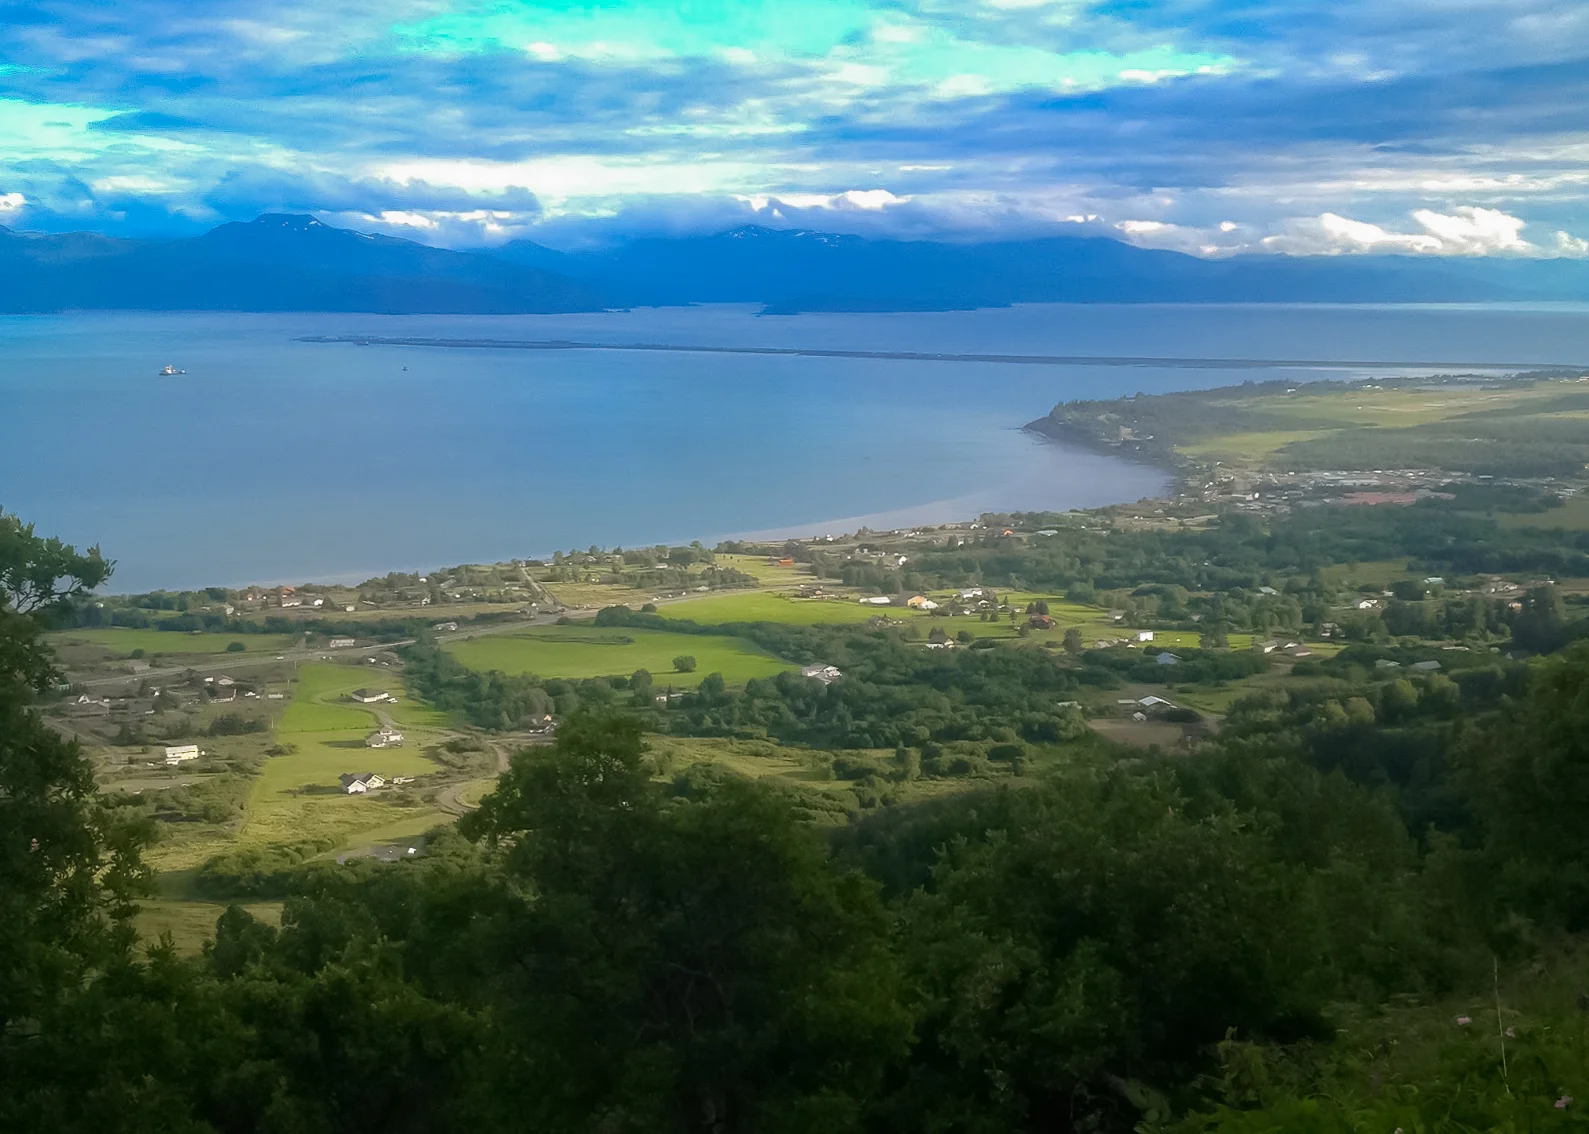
[[1464, 231], [1566, 243], [11, 202], [870, 200], [1474, 231], [403, 219]]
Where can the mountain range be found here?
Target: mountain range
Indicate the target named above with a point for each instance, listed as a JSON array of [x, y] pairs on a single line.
[[283, 262]]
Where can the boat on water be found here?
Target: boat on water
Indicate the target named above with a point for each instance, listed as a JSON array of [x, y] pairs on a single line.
[[170, 371]]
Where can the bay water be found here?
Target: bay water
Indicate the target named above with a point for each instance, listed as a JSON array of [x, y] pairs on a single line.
[[272, 459]]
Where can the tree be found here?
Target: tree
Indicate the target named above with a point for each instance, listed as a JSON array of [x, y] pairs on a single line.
[[70, 866], [686, 964], [1213, 637], [1073, 642], [235, 647], [684, 663]]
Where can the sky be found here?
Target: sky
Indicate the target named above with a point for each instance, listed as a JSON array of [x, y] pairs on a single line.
[[1434, 127]]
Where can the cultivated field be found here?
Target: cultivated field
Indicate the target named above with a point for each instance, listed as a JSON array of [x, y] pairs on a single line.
[[589, 651]]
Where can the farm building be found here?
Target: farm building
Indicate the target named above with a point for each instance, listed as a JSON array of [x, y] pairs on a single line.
[[182, 753], [1144, 635], [1167, 658], [357, 783], [384, 737], [341, 643], [921, 602], [826, 674], [371, 696]]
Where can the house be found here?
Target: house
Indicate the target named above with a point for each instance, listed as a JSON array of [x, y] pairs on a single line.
[[1367, 604], [826, 674], [443, 626], [360, 782], [920, 602], [1040, 622], [1425, 666], [1153, 704], [384, 737], [341, 643], [1267, 591], [223, 681], [181, 753], [974, 593], [223, 693], [1167, 658], [877, 600], [1144, 635], [1386, 663], [371, 696], [1268, 647]]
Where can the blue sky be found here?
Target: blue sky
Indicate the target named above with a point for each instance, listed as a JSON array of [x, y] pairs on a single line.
[[1440, 127]]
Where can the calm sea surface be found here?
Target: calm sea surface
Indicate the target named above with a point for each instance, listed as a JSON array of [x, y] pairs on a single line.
[[272, 459]]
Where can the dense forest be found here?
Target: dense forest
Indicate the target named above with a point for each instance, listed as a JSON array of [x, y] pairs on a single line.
[[1358, 907]]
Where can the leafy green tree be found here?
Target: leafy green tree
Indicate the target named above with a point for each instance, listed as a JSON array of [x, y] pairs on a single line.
[[1073, 641], [70, 865], [1099, 936], [684, 663], [687, 964]]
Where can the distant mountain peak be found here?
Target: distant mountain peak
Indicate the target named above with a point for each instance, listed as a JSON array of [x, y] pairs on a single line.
[[294, 222], [761, 232]]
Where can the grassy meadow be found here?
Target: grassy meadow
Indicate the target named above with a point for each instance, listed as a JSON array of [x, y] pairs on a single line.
[[581, 651], [124, 641], [297, 795]]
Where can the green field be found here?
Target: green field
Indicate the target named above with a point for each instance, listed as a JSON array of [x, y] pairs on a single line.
[[296, 796], [1573, 516], [768, 606], [124, 641], [765, 573], [582, 651], [192, 923]]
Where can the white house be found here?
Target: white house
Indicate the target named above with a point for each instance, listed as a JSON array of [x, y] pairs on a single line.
[[371, 696], [341, 643], [384, 737], [1144, 635], [1151, 702], [361, 782], [181, 753], [826, 674], [877, 600]]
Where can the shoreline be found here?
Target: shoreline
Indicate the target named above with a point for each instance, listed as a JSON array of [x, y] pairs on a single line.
[[957, 510]]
